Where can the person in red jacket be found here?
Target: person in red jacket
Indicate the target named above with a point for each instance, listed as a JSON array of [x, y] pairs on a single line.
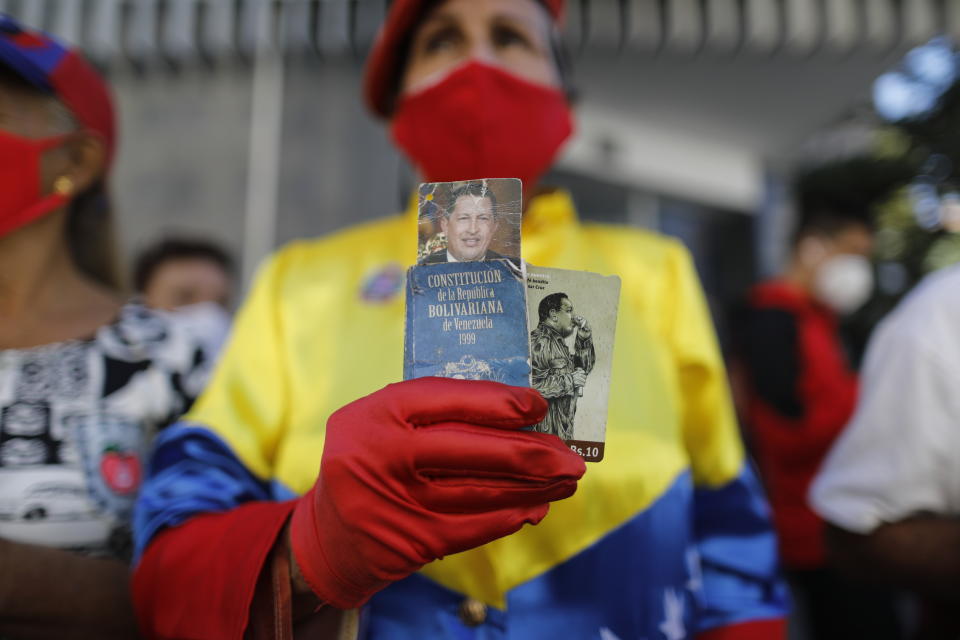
[[800, 391]]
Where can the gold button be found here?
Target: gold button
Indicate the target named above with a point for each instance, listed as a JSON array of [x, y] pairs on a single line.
[[473, 613]]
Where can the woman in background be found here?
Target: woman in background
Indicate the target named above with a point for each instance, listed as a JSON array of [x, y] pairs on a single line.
[[85, 380]]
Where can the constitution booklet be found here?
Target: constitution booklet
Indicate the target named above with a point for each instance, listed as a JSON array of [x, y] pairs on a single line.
[[467, 320], [466, 300]]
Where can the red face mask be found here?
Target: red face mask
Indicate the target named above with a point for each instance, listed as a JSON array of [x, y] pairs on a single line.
[[482, 122], [21, 195]]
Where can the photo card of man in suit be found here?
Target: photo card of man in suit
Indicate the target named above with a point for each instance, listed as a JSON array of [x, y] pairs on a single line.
[[470, 221]]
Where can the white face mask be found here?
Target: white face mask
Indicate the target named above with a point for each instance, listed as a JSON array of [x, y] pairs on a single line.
[[844, 282]]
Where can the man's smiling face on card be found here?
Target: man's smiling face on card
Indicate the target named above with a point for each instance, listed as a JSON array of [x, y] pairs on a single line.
[[469, 227]]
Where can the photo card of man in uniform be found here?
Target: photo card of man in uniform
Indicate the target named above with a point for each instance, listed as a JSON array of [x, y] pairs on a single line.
[[469, 221], [573, 320], [466, 299]]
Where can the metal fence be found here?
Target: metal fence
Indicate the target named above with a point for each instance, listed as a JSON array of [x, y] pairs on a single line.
[[185, 32]]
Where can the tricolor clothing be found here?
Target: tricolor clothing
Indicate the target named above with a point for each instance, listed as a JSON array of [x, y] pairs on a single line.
[[668, 537], [552, 366]]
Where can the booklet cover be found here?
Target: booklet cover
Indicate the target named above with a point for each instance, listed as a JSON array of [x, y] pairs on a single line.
[[573, 319], [467, 320]]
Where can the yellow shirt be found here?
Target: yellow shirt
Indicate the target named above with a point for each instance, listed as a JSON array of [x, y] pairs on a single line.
[[308, 342]]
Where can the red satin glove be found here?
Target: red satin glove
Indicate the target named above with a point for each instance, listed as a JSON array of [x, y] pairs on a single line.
[[419, 470]]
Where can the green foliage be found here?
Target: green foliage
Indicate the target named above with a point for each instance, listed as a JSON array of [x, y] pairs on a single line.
[[937, 131], [900, 239]]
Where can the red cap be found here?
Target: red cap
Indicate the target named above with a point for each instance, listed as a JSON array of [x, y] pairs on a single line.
[[56, 68], [382, 63]]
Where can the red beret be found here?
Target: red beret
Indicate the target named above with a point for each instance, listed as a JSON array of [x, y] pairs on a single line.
[[382, 63]]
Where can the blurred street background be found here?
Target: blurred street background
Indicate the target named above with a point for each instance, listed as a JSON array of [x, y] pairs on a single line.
[[707, 120], [241, 119]]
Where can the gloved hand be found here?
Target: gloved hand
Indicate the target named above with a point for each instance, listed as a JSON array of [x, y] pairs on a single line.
[[419, 470]]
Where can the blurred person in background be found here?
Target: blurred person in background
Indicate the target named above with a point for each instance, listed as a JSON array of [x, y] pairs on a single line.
[[178, 272], [890, 487], [85, 380], [800, 393], [668, 537], [190, 277]]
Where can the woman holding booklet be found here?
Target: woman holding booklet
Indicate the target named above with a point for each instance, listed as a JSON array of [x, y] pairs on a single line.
[[667, 537]]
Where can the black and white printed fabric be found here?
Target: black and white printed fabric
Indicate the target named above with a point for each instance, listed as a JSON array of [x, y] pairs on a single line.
[[76, 419]]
